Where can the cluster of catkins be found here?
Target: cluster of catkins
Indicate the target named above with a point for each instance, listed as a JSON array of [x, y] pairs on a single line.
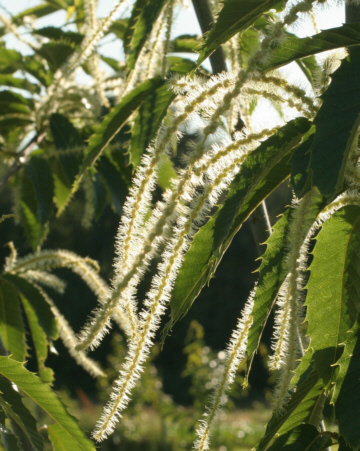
[[168, 232]]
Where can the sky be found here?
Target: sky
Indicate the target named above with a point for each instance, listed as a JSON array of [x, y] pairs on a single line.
[[327, 16]]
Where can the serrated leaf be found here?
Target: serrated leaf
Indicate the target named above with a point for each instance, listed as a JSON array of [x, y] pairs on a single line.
[[36, 68], [337, 123], [41, 308], [272, 273], [39, 173], [24, 419], [304, 437], [39, 340], [66, 137], [148, 120], [19, 83], [299, 164], [142, 26], [113, 123], [9, 61], [235, 16], [59, 441], [57, 34], [46, 399], [346, 395], [328, 314], [12, 330], [13, 103], [293, 48], [263, 170], [56, 53], [296, 411]]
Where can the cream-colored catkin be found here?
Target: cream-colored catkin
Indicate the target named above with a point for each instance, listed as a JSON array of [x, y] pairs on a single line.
[[86, 268], [235, 353], [130, 234], [159, 295], [69, 339], [288, 315]]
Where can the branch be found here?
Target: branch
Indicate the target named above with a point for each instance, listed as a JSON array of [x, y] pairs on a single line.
[[206, 21]]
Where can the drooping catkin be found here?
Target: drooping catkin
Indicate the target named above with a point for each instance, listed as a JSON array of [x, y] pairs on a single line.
[[288, 315], [86, 268], [69, 339], [130, 236], [159, 295], [235, 353]]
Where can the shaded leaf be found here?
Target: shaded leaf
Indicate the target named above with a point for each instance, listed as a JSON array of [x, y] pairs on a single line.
[[114, 181], [346, 395], [39, 173], [148, 120], [328, 315], [263, 170], [304, 437], [235, 16], [293, 48], [46, 399], [12, 330], [23, 417], [296, 411], [337, 123], [113, 123]]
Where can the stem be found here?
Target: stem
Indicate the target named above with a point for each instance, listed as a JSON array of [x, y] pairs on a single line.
[[206, 20]]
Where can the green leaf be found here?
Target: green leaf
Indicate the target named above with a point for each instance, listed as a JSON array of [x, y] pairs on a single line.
[[235, 16], [67, 137], [9, 61], [297, 410], [148, 120], [184, 44], [293, 48], [20, 414], [299, 164], [38, 11], [39, 340], [337, 123], [346, 395], [56, 53], [36, 68], [145, 14], [19, 83], [46, 399], [57, 34], [113, 123], [61, 442], [41, 308], [328, 313], [12, 331], [12, 103], [263, 170], [39, 173], [272, 273], [8, 440], [34, 230], [304, 437], [180, 65], [114, 181]]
